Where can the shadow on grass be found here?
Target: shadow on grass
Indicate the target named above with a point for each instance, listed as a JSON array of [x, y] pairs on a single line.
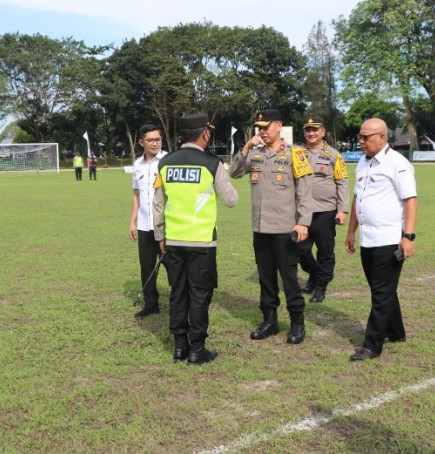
[[362, 436], [324, 316], [157, 324]]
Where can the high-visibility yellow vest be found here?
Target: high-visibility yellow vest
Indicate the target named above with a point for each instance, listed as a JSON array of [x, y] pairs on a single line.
[[187, 176]]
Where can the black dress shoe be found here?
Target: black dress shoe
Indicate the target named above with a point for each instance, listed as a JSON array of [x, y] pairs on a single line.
[[180, 354], [318, 296], [198, 357], [392, 340], [147, 311], [310, 285], [362, 354], [265, 330], [296, 334]]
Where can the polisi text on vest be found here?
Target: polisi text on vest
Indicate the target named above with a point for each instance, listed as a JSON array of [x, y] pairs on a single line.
[[183, 175]]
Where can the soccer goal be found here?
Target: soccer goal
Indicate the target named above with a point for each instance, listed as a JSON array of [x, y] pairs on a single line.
[[29, 156]]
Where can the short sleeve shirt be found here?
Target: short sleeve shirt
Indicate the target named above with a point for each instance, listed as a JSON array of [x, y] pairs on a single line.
[[144, 175], [382, 183]]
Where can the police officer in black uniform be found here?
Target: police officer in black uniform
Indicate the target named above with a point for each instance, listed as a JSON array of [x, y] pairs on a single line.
[[185, 213]]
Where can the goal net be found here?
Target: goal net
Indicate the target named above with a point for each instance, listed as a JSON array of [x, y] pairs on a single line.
[[29, 156]]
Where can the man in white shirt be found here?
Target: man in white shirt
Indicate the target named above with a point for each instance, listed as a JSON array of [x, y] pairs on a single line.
[[144, 175], [385, 210]]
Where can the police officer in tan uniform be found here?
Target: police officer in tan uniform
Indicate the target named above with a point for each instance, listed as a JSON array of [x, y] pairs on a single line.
[[330, 191], [281, 213]]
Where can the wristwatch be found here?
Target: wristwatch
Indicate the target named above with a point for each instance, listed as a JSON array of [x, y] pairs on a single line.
[[409, 236]]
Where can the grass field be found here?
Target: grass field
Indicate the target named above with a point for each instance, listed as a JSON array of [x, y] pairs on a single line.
[[80, 375]]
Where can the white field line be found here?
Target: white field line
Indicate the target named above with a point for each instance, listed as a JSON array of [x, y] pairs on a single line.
[[248, 440]]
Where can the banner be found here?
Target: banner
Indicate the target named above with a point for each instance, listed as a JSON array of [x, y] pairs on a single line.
[[86, 137], [352, 156], [423, 156], [233, 131]]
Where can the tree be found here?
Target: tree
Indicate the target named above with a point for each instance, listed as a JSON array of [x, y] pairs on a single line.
[[45, 78], [125, 95], [320, 87], [226, 72], [368, 106], [389, 44]]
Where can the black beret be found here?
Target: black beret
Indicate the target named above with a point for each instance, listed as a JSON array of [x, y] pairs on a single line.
[[314, 122], [195, 121], [264, 117]]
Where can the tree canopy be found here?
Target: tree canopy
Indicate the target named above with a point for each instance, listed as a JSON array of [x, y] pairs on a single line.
[[44, 78], [57, 89], [389, 45]]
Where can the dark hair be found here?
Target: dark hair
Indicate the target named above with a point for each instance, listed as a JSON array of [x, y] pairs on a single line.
[[191, 134], [147, 128]]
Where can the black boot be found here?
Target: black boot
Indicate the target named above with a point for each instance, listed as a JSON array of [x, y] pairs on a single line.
[[268, 328], [181, 348], [319, 293], [198, 354], [296, 334], [147, 310], [310, 284]]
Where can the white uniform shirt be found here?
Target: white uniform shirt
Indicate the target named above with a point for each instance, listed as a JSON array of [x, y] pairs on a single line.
[[382, 183], [144, 175]]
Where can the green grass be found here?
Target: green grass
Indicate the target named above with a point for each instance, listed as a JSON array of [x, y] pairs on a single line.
[[79, 374]]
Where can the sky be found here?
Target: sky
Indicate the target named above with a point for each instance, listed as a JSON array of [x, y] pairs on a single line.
[[102, 22]]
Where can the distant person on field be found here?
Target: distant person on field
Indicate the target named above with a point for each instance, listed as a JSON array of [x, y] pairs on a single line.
[[385, 209], [280, 177], [144, 175], [185, 214], [92, 164], [330, 192], [78, 165]]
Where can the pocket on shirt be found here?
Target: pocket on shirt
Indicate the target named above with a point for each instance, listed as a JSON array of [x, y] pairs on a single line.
[[280, 177], [322, 170]]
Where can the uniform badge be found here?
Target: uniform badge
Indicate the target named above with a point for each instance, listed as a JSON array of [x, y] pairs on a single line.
[[255, 177], [301, 155], [158, 182], [280, 169], [258, 156], [279, 178]]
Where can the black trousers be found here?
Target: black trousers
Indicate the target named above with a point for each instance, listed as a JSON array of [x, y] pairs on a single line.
[[78, 171], [382, 271], [193, 276], [321, 233], [93, 172], [277, 253], [149, 250]]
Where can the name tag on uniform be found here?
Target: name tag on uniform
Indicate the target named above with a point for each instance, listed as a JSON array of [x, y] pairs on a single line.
[[183, 175]]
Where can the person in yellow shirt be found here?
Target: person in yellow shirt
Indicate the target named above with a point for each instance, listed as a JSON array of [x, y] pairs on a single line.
[[78, 165]]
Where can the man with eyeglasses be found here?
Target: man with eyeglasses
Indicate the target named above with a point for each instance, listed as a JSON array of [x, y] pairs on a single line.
[[281, 213], [144, 175], [330, 192], [188, 183], [384, 208]]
